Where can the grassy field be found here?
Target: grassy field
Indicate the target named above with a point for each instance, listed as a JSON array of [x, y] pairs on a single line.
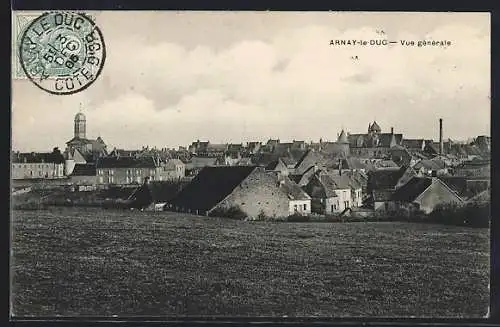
[[91, 262]]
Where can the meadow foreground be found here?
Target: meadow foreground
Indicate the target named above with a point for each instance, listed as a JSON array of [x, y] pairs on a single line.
[[94, 262]]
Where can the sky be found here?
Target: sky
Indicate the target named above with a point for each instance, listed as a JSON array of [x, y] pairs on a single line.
[[171, 78]]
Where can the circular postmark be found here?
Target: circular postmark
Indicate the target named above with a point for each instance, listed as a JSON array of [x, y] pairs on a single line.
[[62, 52]]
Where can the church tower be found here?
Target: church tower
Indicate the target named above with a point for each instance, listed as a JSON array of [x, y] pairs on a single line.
[[80, 125]]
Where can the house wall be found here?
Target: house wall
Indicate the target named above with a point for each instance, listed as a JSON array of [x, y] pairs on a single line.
[[436, 194], [169, 174], [37, 170], [357, 197], [344, 199], [260, 191], [300, 206], [332, 205], [128, 175]]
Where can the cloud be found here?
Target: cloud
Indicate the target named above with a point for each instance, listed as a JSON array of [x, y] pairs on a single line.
[[292, 84]]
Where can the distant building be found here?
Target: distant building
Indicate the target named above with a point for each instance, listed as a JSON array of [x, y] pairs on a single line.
[[382, 183], [173, 169], [431, 167], [310, 159], [373, 144], [424, 193], [330, 194], [84, 174], [195, 164], [278, 166], [253, 190], [130, 170], [478, 168], [89, 147], [46, 165], [414, 144]]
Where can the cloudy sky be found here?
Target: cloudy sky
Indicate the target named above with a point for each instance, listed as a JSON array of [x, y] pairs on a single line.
[[174, 77]]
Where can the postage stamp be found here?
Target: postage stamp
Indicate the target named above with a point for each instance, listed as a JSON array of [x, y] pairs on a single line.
[[61, 52]]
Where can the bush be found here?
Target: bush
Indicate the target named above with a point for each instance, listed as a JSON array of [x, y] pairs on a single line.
[[298, 218], [233, 212], [471, 214]]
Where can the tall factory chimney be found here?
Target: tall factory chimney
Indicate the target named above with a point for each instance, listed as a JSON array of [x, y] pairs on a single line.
[[440, 136]]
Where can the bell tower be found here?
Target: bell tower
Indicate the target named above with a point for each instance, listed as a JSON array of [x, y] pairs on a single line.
[[80, 125]]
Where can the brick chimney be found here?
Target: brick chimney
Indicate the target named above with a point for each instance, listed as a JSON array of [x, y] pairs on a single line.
[[440, 136]]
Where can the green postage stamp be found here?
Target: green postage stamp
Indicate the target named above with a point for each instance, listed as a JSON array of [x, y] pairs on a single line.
[[60, 52]]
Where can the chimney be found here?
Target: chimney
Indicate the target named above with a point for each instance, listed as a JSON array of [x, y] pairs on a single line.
[[440, 136], [392, 130]]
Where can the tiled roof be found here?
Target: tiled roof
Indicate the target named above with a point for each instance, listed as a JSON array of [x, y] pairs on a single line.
[[173, 163], [465, 187], [413, 143], [37, 157], [126, 162], [341, 181], [375, 127], [216, 147], [387, 178], [412, 189], [79, 140], [293, 191], [366, 140], [273, 164], [199, 162], [382, 195], [385, 164], [84, 170], [343, 137], [430, 164], [235, 147], [484, 196]]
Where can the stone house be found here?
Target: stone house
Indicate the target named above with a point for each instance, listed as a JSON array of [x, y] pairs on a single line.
[[309, 159], [84, 174], [279, 166], [424, 194], [473, 168], [46, 165], [173, 169], [414, 145], [382, 183], [253, 190], [431, 167], [130, 170], [329, 194]]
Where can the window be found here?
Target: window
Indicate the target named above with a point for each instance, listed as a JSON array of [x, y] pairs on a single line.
[[111, 172], [295, 207], [333, 207], [305, 206]]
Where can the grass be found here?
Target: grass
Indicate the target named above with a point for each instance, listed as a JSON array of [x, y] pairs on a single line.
[[93, 262]]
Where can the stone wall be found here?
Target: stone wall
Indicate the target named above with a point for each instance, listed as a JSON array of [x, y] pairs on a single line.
[[260, 191]]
